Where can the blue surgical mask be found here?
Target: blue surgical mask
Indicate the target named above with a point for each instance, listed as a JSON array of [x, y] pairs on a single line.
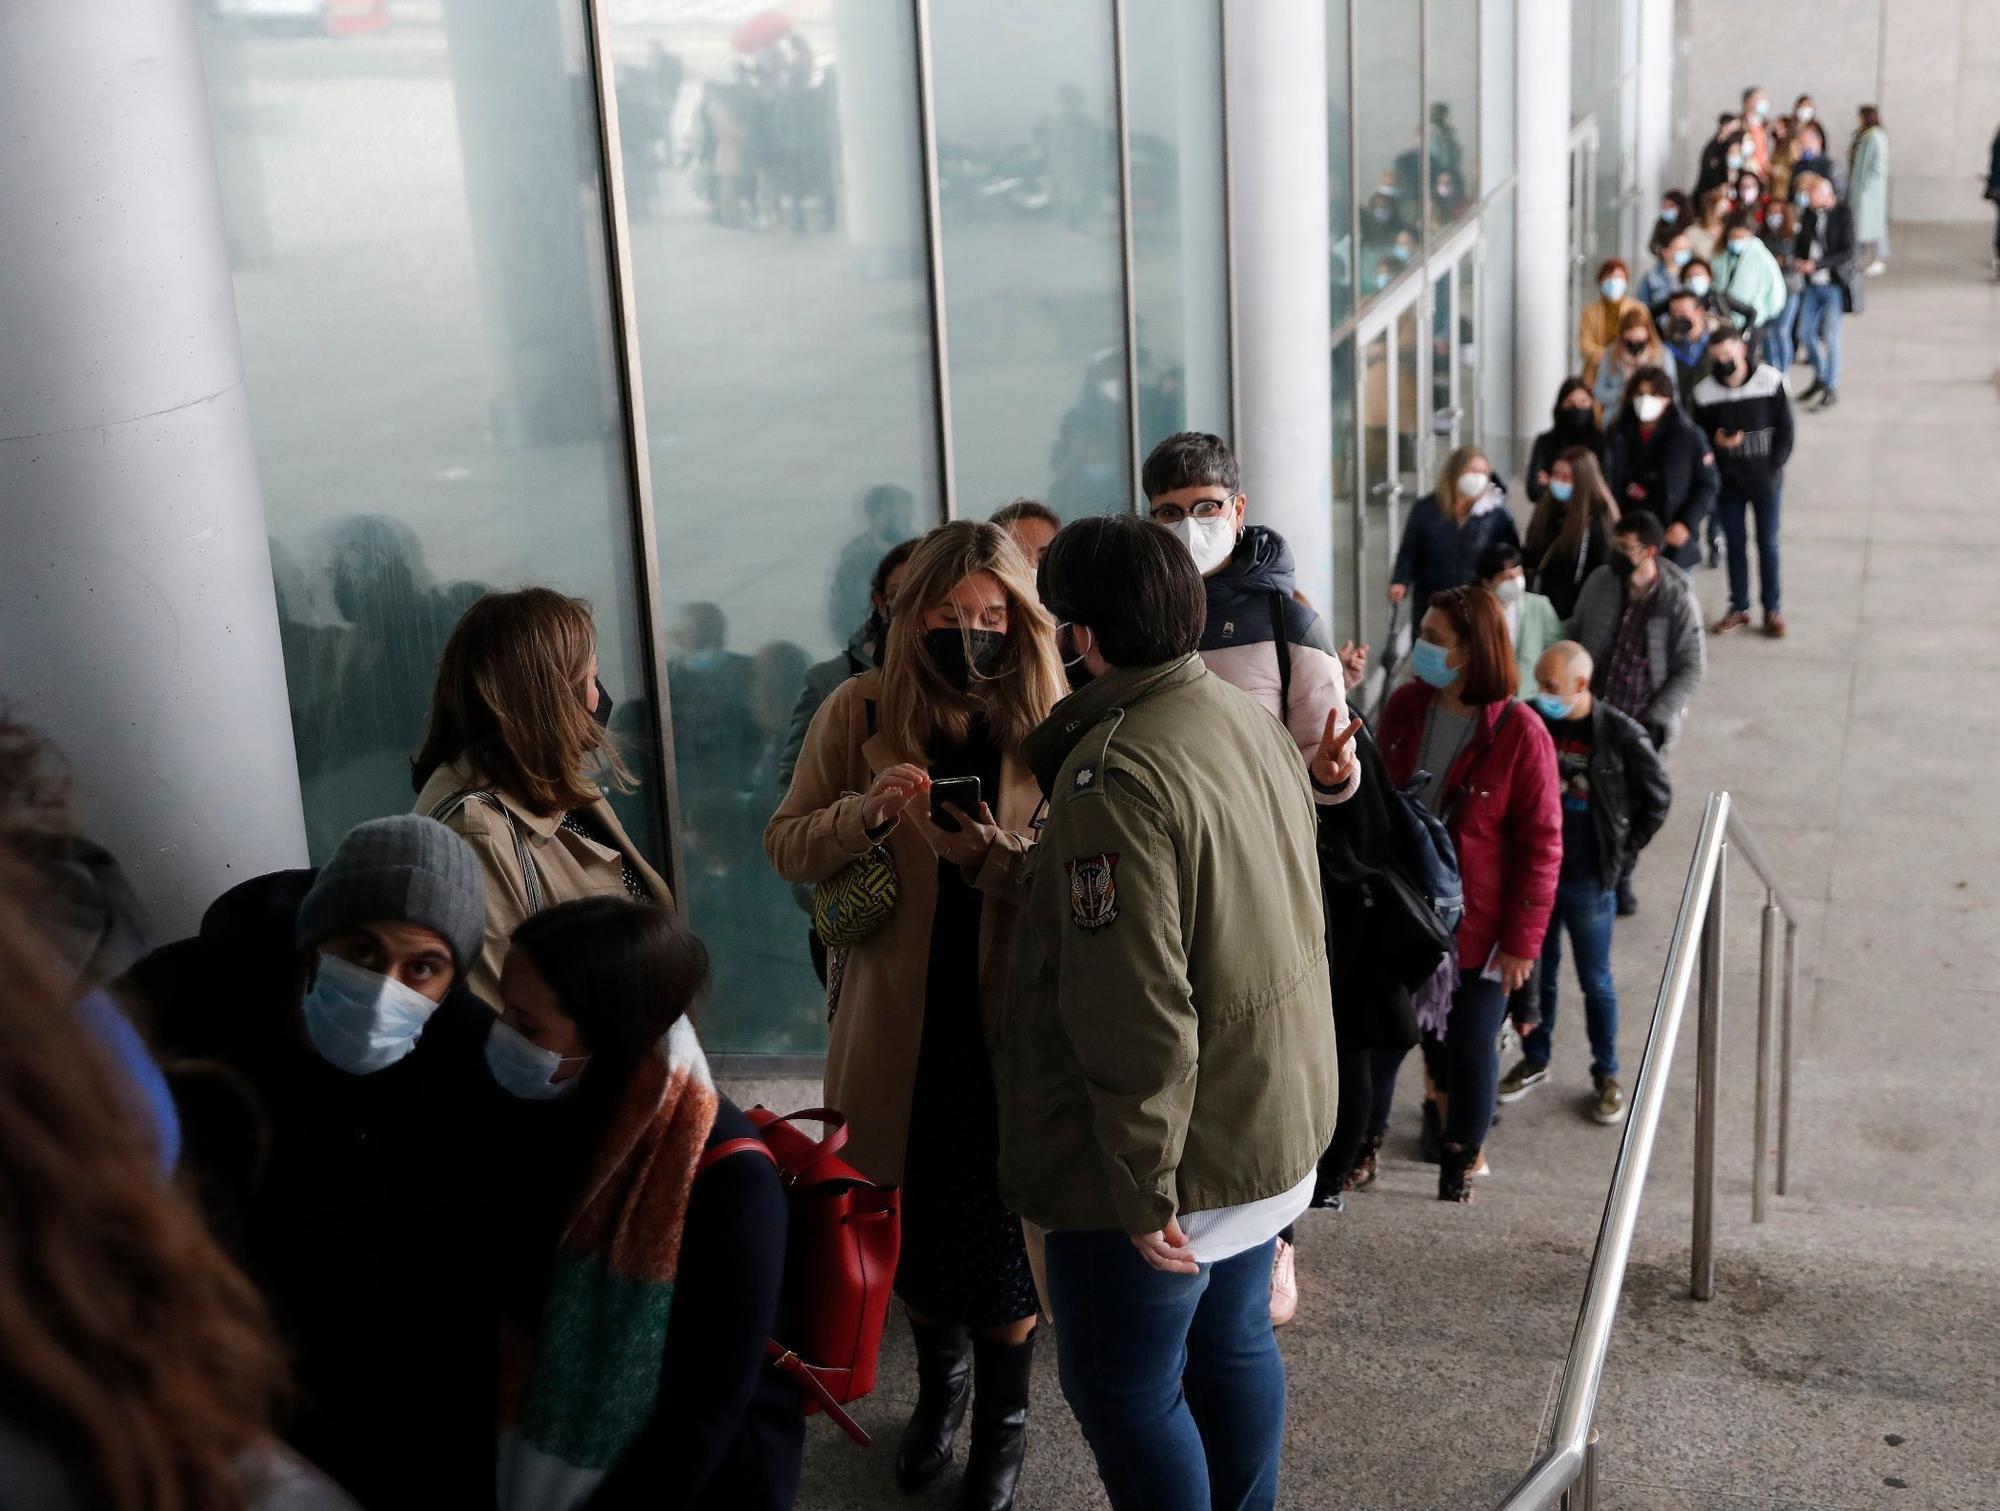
[[523, 1068], [1683, 257], [1550, 706], [1433, 664], [362, 1021], [1612, 288], [1803, 200], [1671, 214], [1561, 491]]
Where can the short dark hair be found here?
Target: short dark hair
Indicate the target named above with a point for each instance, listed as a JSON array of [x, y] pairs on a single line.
[[624, 971], [1491, 673], [1191, 459], [1651, 377], [1682, 293], [1025, 508], [1645, 525], [1132, 583], [1499, 556], [1740, 220], [1688, 267]]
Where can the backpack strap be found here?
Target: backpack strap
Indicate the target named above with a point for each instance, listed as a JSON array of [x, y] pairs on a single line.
[[1284, 650], [794, 1368], [531, 877]]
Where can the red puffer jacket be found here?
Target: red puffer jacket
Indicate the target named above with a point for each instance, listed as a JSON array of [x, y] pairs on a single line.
[[1507, 823]]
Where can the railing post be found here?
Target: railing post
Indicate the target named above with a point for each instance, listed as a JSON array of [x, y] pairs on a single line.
[[1767, 992], [1785, 1058], [1706, 1074]]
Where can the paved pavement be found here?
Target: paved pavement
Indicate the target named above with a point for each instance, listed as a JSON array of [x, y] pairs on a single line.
[[1847, 1359]]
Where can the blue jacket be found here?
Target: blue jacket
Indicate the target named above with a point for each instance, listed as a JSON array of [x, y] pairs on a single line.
[[1437, 554], [1239, 597]]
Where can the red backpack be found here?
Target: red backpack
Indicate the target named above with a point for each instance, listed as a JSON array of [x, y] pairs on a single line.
[[840, 1259]]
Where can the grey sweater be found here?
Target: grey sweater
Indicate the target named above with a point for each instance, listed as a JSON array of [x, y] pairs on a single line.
[[1676, 649]]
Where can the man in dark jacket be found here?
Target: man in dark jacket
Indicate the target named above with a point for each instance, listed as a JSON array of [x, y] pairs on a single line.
[[1826, 255], [343, 1170], [1615, 796], [1742, 408], [1659, 462]]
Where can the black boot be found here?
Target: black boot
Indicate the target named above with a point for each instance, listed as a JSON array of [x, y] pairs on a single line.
[[1001, 1374], [944, 1386], [1455, 1173], [1430, 1142]]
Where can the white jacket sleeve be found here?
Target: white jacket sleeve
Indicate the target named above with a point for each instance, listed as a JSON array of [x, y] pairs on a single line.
[[1319, 687]]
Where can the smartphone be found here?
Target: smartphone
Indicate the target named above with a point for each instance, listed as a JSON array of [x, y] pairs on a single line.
[[961, 792]]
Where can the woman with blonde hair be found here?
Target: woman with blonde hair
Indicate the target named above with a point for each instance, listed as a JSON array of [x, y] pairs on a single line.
[[511, 761], [971, 668], [1572, 538], [1449, 527], [1638, 345]]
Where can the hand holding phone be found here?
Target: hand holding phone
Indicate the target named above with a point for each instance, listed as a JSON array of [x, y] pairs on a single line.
[[960, 792]]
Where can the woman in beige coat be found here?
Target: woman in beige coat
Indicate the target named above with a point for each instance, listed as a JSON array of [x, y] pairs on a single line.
[[971, 668], [507, 763]]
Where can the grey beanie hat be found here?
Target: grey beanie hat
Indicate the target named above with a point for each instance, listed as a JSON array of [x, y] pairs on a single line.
[[406, 869]]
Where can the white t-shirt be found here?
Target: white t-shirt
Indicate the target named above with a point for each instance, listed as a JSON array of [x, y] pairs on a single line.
[[1228, 1231]]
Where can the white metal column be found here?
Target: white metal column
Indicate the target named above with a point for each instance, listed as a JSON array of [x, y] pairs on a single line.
[[138, 629], [1655, 135], [1542, 338], [1275, 93]]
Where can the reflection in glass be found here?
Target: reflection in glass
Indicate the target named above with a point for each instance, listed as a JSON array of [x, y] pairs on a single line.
[[1389, 126], [1498, 426], [1411, 422], [1444, 421], [1452, 79], [1376, 547], [774, 180], [1028, 191], [415, 224], [1340, 167], [1180, 279], [1346, 609], [1465, 394]]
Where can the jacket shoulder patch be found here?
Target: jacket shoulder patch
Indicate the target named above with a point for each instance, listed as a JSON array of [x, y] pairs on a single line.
[[1093, 891]]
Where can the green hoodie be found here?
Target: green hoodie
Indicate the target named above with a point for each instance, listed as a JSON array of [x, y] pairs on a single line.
[[1167, 1040], [1746, 270]]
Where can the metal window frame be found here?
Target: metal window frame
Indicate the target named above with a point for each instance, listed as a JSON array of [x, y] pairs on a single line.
[[1228, 222], [1129, 308], [947, 457]]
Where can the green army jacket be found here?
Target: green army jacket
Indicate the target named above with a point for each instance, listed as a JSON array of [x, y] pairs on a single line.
[[1166, 1044]]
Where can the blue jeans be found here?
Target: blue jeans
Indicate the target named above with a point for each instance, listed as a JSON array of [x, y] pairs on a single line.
[[1819, 329], [1176, 1380], [1588, 912], [1780, 336], [1731, 504], [1465, 1065]]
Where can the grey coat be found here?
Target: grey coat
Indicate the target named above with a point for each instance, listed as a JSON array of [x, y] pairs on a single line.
[[1676, 649]]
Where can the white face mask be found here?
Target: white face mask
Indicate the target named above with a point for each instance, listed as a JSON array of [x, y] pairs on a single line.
[[1649, 407], [360, 1020], [1805, 114], [1210, 542], [1472, 484], [1510, 590]]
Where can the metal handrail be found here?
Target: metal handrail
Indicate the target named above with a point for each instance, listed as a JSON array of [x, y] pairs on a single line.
[[1566, 1473]]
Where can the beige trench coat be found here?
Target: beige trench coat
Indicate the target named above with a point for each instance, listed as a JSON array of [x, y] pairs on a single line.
[[568, 865], [878, 1021]]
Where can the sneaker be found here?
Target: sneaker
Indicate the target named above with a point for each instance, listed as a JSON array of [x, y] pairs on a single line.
[[1875, 269], [1609, 1106], [1430, 1143], [1774, 626], [1827, 399], [1729, 623], [1521, 1080], [1813, 390], [1284, 1285]]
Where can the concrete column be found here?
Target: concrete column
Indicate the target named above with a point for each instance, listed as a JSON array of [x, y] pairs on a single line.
[[1654, 77], [1543, 340], [1275, 92], [137, 625], [881, 180]]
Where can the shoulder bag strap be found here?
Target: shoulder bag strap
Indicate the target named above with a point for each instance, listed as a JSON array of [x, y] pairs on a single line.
[[531, 876], [1284, 650], [724, 1150]]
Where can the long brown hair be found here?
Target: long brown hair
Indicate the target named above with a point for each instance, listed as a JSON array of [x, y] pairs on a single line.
[[1590, 502], [510, 700], [1456, 466], [130, 1348], [918, 704], [1481, 626]]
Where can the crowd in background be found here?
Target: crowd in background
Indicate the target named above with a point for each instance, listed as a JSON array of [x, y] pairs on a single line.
[[404, 1182]]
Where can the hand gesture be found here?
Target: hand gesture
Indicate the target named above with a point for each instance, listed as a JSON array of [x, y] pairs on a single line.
[[1729, 440], [1333, 763], [1677, 534], [1167, 1250], [972, 842], [1353, 664], [1398, 592], [1514, 971], [893, 791]]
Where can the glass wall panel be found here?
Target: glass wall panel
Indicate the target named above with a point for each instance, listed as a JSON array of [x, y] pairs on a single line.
[[416, 229], [1376, 546], [1339, 160], [1582, 57], [1412, 417], [1451, 79], [1496, 91], [1388, 112], [774, 181], [1173, 54], [1346, 612], [1028, 179], [1499, 423]]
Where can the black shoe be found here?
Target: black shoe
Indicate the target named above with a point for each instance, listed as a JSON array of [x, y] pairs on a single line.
[[1367, 1165], [1813, 391], [1001, 1376], [1628, 900], [944, 1387], [1826, 401], [1455, 1173], [1430, 1143]]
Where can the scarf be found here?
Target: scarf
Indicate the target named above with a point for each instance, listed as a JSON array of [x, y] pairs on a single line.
[[574, 1398]]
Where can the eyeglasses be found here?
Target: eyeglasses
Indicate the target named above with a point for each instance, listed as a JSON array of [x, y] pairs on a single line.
[[1201, 508]]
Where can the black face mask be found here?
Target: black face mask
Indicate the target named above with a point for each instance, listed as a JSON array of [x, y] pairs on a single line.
[[1576, 421], [602, 713], [1636, 348], [965, 656], [1730, 372], [1622, 564], [1680, 327]]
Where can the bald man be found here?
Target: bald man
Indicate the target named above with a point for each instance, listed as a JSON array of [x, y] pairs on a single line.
[[1615, 796]]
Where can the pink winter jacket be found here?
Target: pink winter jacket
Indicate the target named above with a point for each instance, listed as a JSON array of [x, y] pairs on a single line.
[[1317, 688]]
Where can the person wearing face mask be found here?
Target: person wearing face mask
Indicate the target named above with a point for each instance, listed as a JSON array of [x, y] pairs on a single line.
[[1827, 256], [1687, 328], [1785, 154], [1570, 535], [511, 760], [1757, 130], [1488, 771], [1748, 274], [1448, 528], [1812, 158], [336, 1139], [1780, 229], [1705, 235], [1597, 327], [1868, 190], [612, 1201], [1659, 461], [1193, 488], [1721, 158], [972, 667], [1615, 796], [1671, 249], [1532, 622], [1749, 189], [1676, 211], [1575, 424], [1638, 346], [1743, 408]]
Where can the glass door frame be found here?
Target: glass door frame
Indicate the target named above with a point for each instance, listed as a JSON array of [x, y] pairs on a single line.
[[1583, 147]]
